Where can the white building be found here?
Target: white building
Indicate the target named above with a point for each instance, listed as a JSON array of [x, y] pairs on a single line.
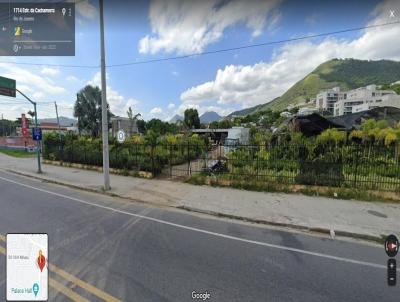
[[326, 99], [236, 136], [307, 110], [365, 98], [123, 123]]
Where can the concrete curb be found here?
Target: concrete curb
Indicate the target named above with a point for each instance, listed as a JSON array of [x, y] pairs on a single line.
[[82, 188], [325, 231]]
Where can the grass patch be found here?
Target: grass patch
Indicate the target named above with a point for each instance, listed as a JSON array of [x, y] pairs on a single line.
[[17, 153]]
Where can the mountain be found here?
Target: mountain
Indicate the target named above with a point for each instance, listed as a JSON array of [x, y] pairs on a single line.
[[345, 73], [64, 121], [210, 116], [246, 111], [176, 118]]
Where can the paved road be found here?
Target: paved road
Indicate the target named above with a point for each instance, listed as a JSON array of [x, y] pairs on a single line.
[[106, 249]]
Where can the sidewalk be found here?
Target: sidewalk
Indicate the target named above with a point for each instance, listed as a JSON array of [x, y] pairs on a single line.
[[345, 217]]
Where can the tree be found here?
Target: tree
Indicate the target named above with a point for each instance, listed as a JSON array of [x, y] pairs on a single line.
[[141, 124], [192, 119], [88, 110], [156, 125], [31, 113], [213, 125], [225, 124], [132, 119]]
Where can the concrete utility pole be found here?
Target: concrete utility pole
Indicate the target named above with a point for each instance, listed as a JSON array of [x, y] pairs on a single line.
[[59, 127], [2, 125], [104, 111], [58, 120]]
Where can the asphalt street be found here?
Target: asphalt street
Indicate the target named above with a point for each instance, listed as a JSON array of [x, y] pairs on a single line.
[[107, 249]]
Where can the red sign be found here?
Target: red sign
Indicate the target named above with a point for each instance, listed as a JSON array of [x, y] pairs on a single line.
[[24, 128]]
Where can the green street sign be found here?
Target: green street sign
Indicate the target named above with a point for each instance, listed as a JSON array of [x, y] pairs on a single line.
[[7, 87]]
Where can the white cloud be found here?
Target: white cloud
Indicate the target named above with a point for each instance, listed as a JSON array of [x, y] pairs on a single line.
[[30, 79], [171, 106], [158, 113], [72, 78], [25, 88], [86, 9], [118, 104], [249, 85], [189, 26], [36, 86], [38, 95], [156, 110], [50, 71]]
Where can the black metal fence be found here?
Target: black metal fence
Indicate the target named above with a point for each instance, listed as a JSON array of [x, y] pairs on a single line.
[[352, 166]]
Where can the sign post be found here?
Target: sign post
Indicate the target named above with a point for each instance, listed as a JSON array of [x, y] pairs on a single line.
[[121, 136], [36, 127], [37, 134], [7, 87]]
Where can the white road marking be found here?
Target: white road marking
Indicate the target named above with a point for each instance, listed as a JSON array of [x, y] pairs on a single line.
[[270, 245]]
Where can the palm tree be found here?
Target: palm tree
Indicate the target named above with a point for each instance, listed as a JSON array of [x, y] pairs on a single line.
[[32, 115], [88, 110]]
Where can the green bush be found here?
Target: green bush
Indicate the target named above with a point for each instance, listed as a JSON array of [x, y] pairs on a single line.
[[151, 156]]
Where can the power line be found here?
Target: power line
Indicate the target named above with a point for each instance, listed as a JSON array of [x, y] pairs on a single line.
[[19, 100], [212, 51], [254, 45]]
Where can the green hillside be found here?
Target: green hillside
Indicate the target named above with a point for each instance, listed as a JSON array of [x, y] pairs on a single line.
[[246, 111], [346, 73]]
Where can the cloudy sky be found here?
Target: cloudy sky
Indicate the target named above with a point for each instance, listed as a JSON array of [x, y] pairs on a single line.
[[222, 82]]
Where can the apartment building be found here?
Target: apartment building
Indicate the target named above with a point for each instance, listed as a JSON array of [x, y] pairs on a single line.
[[365, 98], [326, 99]]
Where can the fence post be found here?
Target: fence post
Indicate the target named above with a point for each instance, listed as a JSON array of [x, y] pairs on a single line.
[[152, 159], [188, 158], [258, 152], [137, 161], [170, 161], [84, 154], [115, 155], [356, 165], [62, 153], [72, 151]]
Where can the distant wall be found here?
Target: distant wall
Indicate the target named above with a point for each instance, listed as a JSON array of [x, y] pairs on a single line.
[[17, 141]]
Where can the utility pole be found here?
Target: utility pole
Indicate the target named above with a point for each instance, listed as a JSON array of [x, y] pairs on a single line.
[[2, 125], [58, 120], [104, 111], [59, 127]]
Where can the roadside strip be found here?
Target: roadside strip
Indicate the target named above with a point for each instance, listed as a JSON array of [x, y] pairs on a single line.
[[76, 281], [376, 238], [198, 230]]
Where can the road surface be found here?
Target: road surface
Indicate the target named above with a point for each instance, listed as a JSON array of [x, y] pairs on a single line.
[[107, 249]]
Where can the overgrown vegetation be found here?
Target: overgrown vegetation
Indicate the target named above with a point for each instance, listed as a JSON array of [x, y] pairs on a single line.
[[142, 153], [367, 158]]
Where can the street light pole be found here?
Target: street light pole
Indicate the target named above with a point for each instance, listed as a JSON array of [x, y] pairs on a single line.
[[36, 126], [104, 111]]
